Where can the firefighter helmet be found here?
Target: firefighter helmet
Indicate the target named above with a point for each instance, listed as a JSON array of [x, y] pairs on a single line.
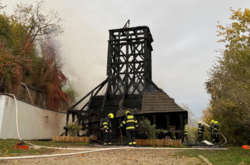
[[199, 122], [127, 112], [111, 116]]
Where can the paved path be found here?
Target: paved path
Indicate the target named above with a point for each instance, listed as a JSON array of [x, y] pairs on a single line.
[[114, 157]]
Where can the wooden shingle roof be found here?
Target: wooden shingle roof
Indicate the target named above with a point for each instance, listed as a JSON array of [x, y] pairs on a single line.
[[158, 101]]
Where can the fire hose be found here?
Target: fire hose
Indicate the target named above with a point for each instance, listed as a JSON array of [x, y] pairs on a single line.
[[52, 155], [219, 133]]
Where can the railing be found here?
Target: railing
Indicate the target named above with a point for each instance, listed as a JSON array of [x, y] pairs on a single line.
[[158, 142]]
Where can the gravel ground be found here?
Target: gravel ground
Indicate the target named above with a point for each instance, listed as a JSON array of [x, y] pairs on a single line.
[[114, 157]]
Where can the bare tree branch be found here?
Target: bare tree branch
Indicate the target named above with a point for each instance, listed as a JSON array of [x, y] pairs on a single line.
[[2, 7], [37, 21]]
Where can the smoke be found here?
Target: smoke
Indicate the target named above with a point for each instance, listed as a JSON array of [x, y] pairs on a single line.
[[192, 119]]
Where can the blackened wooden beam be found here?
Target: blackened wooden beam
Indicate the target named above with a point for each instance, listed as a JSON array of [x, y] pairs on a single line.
[[84, 106], [87, 94]]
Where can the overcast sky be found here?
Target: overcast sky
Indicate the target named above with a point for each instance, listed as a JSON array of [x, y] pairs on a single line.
[[184, 44]]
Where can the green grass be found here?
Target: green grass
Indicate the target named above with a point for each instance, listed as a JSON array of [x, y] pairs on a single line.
[[7, 147], [232, 156]]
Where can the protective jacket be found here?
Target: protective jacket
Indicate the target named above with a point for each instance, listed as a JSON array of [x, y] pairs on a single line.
[[199, 129], [216, 129], [211, 130], [216, 134], [130, 121], [200, 132], [105, 124], [185, 131]]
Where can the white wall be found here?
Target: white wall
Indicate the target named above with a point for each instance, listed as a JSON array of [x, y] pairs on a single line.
[[34, 122]]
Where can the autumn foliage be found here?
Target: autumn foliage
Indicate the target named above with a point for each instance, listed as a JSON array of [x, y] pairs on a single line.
[[28, 53], [229, 80]]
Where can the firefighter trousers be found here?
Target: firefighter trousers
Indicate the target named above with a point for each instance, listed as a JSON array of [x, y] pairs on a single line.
[[201, 138], [212, 137], [107, 138], [131, 138], [186, 137], [216, 138]]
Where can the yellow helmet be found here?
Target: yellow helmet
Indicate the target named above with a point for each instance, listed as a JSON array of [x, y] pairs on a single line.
[[212, 121], [127, 112], [216, 122], [199, 122], [111, 116]]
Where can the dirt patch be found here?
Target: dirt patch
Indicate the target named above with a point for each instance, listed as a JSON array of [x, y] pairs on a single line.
[[115, 157]]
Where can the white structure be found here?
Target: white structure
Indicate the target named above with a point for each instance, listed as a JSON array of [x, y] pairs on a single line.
[[33, 122]]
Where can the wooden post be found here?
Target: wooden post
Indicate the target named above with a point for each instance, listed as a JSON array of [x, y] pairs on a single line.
[[182, 127], [167, 116], [154, 119]]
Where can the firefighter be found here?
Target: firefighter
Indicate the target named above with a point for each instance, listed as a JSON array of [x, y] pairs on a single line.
[[186, 133], [200, 132], [131, 124], [211, 128], [216, 132], [106, 127]]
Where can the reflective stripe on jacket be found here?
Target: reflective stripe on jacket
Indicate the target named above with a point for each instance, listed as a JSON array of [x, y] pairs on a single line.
[[185, 131], [130, 122], [199, 129], [216, 130], [105, 123]]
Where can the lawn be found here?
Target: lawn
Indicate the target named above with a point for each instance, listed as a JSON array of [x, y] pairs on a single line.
[[7, 147], [232, 156]]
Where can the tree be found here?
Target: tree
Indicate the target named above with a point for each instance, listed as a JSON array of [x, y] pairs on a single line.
[[12, 67], [236, 34], [150, 130], [37, 22], [229, 79], [29, 54], [49, 76], [1, 6]]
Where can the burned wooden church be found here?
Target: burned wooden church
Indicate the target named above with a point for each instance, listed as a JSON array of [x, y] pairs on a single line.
[[129, 85]]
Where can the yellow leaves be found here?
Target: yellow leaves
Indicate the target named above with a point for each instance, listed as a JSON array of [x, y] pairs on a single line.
[[242, 162], [236, 33], [82, 159]]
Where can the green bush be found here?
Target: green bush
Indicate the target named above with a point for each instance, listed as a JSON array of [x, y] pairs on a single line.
[[73, 129], [150, 130]]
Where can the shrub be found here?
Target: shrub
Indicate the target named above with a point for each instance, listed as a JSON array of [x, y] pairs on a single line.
[[73, 129], [150, 130]]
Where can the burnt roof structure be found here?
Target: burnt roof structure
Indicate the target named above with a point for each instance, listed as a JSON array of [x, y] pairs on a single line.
[[129, 83]]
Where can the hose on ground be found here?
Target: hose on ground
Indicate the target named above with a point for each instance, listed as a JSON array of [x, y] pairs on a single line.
[[39, 156], [219, 132]]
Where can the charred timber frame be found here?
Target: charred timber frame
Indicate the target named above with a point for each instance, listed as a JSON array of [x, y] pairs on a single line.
[[79, 113], [129, 62], [128, 84]]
